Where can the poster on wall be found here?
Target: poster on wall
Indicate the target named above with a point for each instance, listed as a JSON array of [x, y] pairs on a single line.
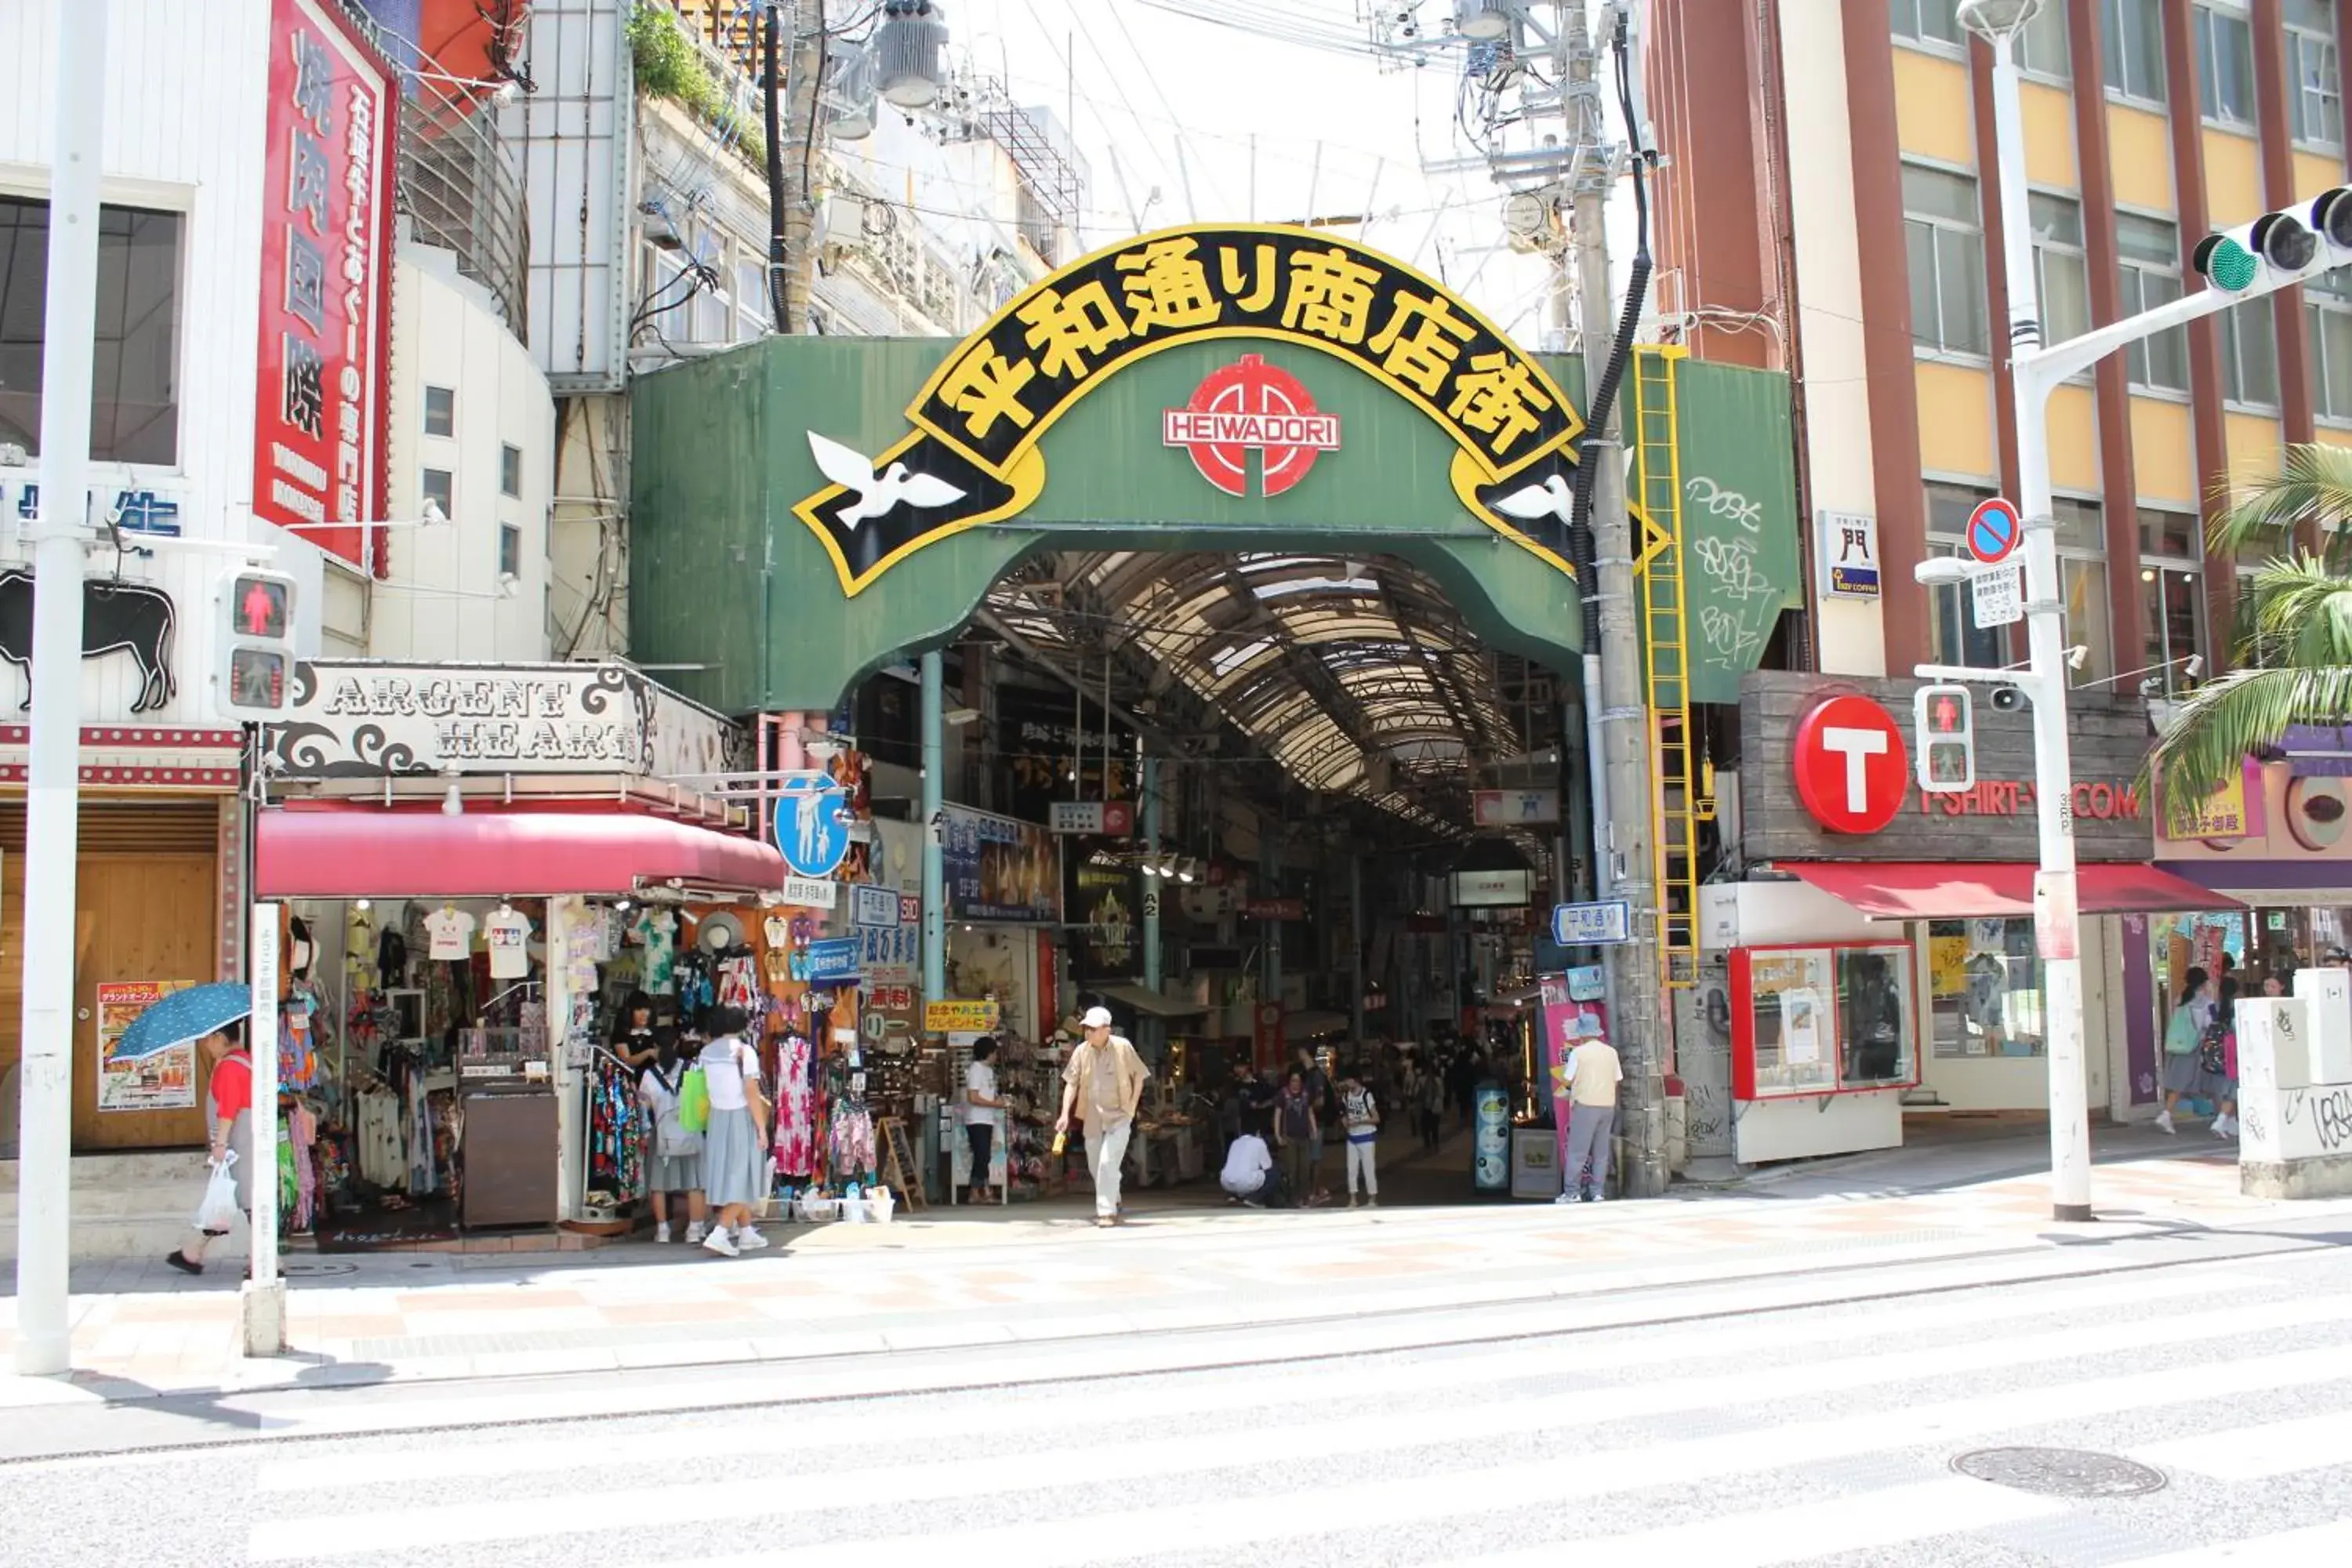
[[326, 280], [161, 1080], [1105, 899], [999, 870]]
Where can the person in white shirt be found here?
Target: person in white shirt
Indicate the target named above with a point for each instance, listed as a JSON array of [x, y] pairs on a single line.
[[734, 1147], [981, 1108], [1248, 1173]]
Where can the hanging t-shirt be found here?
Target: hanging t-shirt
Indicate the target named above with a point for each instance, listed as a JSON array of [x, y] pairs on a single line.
[[656, 930], [508, 933], [451, 932]]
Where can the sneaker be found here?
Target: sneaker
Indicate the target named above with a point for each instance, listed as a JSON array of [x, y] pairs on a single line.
[[1565, 1198], [661, 1233], [719, 1242], [750, 1240], [1373, 1202], [694, 1233], [2164, 1121], [1353, 1200], [2225, 1127]]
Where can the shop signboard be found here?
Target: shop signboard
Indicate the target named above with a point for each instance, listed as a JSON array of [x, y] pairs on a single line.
[[366, 719], [1847, 550], [1274, 909], [1797, 779], [1492, 889], [161, 1080], [960, 1017], [1514, 808], [1044, 743], [325, 279], [1603, 924], [812, 892], [1104, 899], [1093, 818], [834, 961], [873, 905], [998, 868], [1491, 1169], [1265, 1036], [2232, 811]]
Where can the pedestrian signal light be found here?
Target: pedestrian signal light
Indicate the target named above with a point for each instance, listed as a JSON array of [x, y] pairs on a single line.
[[253, 676], [1944, 726]]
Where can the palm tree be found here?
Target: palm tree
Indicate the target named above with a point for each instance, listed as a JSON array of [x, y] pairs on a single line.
[[2293, 658]]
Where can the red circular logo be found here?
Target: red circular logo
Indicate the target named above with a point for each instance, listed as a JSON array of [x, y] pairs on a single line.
[[1251, 403], [1852, 772]]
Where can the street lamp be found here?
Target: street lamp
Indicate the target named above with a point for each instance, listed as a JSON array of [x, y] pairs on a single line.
[[2056, 933]]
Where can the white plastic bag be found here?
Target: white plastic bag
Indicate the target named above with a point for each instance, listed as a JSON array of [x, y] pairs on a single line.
[[219, 1211]]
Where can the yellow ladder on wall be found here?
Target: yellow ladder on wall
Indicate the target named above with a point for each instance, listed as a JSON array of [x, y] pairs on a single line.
[[1677, 802]]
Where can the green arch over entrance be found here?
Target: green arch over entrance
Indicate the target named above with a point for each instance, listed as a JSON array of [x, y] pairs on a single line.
[[749, 561]]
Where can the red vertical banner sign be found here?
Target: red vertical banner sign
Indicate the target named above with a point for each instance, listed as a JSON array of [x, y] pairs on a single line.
[[322, 374], [1558, 1016]]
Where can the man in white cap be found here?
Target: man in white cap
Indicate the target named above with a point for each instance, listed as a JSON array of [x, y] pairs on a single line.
[[1107, 1071]]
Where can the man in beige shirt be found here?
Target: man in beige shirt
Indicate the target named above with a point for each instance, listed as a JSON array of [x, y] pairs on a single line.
[[1593, 1074], [1107, 1071]]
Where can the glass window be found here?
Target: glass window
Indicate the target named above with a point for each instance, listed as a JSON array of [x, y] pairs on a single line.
[[1790, 996], [510, 550], [1944, 246], [2171, 533], [2134, 39], [510, 471], [1985, 986], [2172, 619], [2059, 267], [2149, 268], [2086, 580], [439, 487], [440, 411], [1927, 21], [1875, 1032], [2225, 66], [2315, 96], [2327, 321], [1955, 637], [2250, 355], [2042, 48], [2079, 524], [135, 402], [1823, 1018]]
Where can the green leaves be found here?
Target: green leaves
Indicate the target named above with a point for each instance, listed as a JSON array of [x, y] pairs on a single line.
[[668, 66]]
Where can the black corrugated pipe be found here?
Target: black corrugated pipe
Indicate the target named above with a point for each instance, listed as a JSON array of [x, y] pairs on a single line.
[[1604, 396], [778, 298]]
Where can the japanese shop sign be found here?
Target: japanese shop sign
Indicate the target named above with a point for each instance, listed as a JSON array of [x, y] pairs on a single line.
[[362, 718], [999, 869], [959, 1017], [326, 279], [978, 420]]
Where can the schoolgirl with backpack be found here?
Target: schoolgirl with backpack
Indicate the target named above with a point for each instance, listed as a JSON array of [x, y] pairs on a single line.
[[678, 1113]]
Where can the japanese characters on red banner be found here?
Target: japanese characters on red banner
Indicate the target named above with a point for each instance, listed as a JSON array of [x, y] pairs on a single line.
[[326, 280]]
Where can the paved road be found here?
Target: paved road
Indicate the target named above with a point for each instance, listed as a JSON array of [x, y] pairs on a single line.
[[1720, 1434]]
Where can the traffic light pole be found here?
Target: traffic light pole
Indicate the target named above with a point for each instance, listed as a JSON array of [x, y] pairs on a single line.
[[53, 776]]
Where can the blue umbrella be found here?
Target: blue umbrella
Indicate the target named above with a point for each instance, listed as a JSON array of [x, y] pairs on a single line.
[[185, 1016]]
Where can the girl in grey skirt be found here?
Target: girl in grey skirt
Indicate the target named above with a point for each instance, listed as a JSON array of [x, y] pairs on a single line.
[[673, 1155], [2184, 1034], [734, 1162]]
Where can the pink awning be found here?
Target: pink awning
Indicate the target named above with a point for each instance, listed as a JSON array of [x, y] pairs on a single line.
[[1919, 890], [355, 853]]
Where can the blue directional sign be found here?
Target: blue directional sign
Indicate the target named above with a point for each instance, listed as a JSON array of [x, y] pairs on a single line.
[[828, 963], [1994, 529], [813, 820]]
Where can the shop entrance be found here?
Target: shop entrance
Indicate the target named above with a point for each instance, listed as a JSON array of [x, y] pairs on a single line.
[[124, 957]]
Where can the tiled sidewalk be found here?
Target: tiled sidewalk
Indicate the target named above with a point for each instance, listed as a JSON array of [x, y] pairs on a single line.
[[931, 1282]]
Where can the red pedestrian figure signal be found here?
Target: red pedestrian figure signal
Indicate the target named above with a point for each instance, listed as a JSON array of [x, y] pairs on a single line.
[[253, 675], [1944, 732], [261, 608]]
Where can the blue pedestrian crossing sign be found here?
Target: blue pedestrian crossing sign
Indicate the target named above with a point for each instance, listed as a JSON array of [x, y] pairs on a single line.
[[1993, 531], [813, 820]]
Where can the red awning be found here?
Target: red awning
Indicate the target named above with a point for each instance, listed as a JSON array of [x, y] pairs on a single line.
[[347, 853], [1918, 891]]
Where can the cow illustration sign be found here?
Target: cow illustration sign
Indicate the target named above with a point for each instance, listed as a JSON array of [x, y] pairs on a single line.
[[972, 456]]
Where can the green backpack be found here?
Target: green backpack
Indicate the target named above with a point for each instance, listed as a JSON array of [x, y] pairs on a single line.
[[694, 1101]]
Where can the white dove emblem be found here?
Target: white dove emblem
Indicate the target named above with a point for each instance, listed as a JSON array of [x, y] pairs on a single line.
[[1550, 498], [877, 494]]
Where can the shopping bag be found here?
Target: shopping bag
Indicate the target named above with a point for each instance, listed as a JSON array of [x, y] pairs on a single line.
[[218, 1210], [694, 1101]]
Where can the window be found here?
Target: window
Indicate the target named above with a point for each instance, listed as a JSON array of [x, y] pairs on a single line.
[[2081, 535], [2171, 593], [2327, 320], [440, 411], [2315, 96], [2133, 31], [2164, 533], [2225, 66], [134, 404], [2149, 253], [510, 550], [1985, 990], [2058, 268], [2042, 48], [1955, 636], [510, 471], [439, 489], [1927, 21], [1943, 237], [2250, 355], [751, 301]]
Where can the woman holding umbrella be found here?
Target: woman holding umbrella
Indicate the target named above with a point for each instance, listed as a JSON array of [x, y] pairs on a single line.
[[228, 1108]]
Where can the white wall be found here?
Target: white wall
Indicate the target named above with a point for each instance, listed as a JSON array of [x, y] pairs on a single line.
[[441, 599]]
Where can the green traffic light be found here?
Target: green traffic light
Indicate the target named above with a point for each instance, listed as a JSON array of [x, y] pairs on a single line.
[[2231, 266]]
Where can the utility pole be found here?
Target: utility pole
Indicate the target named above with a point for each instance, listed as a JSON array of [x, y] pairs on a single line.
[[793, 151], [1621, 768], [52, 787]]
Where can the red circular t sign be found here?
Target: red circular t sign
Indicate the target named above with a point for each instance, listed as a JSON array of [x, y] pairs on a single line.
[[1852, 772]]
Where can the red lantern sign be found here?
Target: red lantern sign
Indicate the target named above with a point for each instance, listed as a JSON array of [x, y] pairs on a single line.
[[1852, 772]]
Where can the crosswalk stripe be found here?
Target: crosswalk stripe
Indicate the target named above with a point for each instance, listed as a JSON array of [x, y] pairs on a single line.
[[2255, 1453], [1766, 1537], [2316, 1544], [1408, 1499], [1296, 1386]]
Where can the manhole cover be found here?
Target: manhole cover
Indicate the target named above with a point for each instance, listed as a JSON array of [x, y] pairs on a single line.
[[2060, 1472], [316, 1270]]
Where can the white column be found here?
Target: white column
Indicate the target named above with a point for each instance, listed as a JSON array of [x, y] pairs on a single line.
[[562, 914], [52, 790], [264, 1297]]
